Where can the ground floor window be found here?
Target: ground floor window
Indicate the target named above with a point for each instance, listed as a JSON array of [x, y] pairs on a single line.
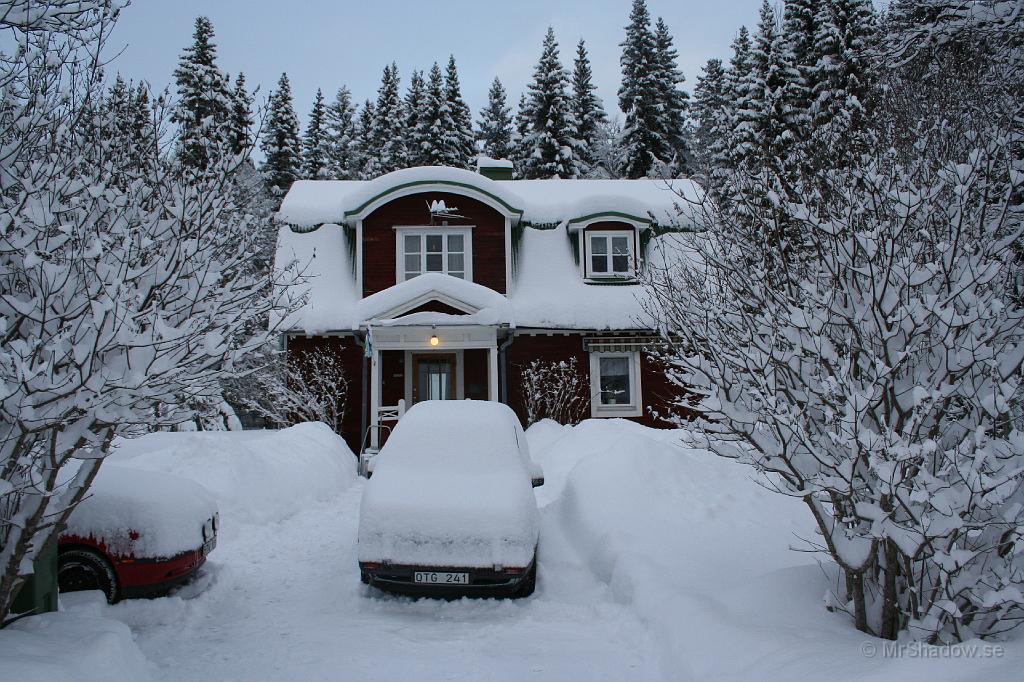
[[615, 384]]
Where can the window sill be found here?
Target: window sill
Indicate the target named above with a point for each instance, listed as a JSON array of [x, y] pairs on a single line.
[[612, 411], [610, 279]]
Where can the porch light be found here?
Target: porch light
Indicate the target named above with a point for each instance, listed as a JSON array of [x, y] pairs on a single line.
[[433, 338]]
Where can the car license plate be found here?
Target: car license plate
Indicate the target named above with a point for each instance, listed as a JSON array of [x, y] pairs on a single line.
[[440, 578]]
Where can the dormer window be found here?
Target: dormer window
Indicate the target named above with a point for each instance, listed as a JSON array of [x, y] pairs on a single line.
[[610, 255], [434, 249]]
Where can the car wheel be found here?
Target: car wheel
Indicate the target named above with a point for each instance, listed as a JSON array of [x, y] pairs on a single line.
[[529, 584], [82, 569]]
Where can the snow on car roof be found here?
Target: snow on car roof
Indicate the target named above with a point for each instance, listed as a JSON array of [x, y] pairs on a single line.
[[464, 434], [167, 512]]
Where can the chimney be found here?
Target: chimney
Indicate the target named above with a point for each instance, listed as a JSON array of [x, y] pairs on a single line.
[[495, 169]]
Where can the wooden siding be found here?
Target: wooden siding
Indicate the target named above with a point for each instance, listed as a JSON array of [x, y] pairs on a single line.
[[379, 238]]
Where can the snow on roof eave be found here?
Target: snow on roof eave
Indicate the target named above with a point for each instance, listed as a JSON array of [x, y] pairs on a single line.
[[406, 181], [640, 222]]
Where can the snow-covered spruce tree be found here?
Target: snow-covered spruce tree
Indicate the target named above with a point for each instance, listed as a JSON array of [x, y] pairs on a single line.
[[115, 298], [364, 148], [280, 144], [674, 101], [640, 97], [551, 147], [760, 130], [340, 127], [607, 150], [388, 127], [461, 142], [495, 124], [315, 145], [554, 389], [413, 107], [204, 97], [520, 148], [711, 109], [587, 109], [844, 77], [878, 380], [729, 155], [241, 119], [436, 124], [312, 388], [800, 59]]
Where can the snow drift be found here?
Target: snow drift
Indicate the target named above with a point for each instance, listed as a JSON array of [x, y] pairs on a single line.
[[71, 647], [256, 476]]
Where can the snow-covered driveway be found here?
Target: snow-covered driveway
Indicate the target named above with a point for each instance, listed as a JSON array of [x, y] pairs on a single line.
[[284, 602]]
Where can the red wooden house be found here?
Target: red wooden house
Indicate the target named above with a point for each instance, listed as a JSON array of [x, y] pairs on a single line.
[[439, 283]]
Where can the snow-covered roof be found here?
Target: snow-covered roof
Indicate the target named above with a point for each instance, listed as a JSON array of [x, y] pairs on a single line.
[[310, 203], [547, 291]]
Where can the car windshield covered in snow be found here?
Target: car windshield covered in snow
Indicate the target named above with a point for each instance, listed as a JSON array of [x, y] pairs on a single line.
[[452, 489]]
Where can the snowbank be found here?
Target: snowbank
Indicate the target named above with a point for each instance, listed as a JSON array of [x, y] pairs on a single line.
[[702, 554], [166, 512], [450, 488], [256, 476], [58, 647]]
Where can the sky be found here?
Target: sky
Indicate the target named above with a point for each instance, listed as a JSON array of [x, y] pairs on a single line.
[[329, 43]]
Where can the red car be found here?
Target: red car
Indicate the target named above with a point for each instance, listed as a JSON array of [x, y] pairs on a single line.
[[137, 534]]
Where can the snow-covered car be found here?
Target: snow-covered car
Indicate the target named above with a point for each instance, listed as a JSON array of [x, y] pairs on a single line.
[[137, 534], [450, 510]]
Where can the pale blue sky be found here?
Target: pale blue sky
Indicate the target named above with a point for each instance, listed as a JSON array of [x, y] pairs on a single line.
[[328, 43]]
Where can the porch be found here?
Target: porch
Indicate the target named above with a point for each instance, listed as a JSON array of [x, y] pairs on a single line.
[[411, 363]]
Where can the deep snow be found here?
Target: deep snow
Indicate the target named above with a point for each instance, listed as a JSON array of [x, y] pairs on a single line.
[[658, 562]]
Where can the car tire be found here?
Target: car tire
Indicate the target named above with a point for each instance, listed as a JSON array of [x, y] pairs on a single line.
[[83, 569]]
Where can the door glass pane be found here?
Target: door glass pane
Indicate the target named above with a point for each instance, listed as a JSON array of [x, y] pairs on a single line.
[[434, 262], [455, 243], [434, 380], [615, 381], [435, 243]]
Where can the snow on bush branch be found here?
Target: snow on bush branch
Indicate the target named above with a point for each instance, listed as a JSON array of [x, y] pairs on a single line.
[[554, 390], [126, 281], [311, 388], [877, 380]]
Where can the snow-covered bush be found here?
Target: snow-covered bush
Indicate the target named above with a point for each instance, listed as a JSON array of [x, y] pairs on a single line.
[[125, 279], [554, 389], [311, 387], [877, 378]]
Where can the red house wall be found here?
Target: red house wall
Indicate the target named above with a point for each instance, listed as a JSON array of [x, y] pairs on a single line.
[[379, 238]]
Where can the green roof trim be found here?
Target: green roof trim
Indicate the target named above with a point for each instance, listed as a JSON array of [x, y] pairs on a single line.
[[613, 214], [415, 183]]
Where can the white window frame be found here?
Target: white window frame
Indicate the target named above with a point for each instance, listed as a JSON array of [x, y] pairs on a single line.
[[422, 231], [588, 270], [634, 409]]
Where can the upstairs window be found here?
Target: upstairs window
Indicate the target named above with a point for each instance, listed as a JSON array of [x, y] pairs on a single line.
[[610, 255], [427, 249]]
